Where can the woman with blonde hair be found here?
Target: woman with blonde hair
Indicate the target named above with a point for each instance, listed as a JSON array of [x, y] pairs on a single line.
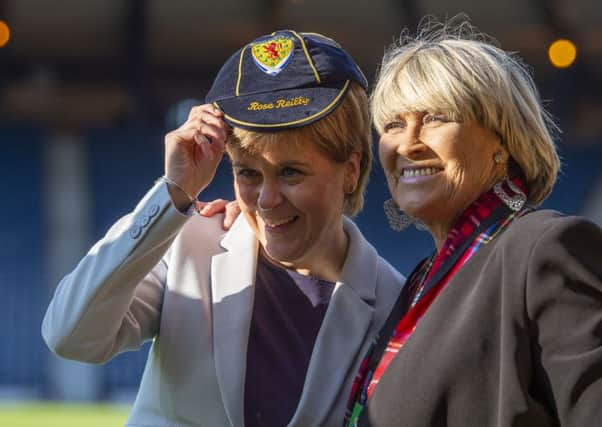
[[501, 325]]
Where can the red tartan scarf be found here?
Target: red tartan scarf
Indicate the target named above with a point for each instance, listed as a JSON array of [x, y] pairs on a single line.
[[420, 296]]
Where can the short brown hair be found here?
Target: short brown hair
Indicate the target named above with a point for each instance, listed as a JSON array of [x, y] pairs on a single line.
[[338, 135]]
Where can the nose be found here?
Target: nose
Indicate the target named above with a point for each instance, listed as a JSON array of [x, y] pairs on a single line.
[[269, 196], [410, 144]]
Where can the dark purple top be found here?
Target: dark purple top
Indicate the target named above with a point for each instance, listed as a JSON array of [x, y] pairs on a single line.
[[288, 310]]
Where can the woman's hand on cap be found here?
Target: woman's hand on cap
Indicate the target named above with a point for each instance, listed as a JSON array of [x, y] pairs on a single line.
[[230, 209], [193, 151]]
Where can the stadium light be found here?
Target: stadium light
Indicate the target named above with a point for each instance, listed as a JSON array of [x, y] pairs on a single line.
[[562, 53], [4, 33]]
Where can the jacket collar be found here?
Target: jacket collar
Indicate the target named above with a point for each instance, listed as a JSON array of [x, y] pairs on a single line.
[[339, 340], [339, 343], [233, 275]]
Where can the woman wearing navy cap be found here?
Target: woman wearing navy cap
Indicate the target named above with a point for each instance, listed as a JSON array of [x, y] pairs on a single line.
[[266, 324]]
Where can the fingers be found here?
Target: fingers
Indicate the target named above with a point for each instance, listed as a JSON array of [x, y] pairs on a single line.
[[210, 133], [200, 207], [232, 212], [194, 150], [230, 209], [212, 208], [205, 109], [206, 129], [203, 142], [211, 128], [209, 116], [181, 136], [190, 138]]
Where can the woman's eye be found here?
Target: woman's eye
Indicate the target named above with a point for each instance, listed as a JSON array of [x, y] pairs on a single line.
[[430, 118], [247, 173], [397, 124], [291, 172]]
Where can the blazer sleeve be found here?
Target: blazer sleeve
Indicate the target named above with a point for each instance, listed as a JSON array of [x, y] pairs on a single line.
[[564, 303], [112, 301]]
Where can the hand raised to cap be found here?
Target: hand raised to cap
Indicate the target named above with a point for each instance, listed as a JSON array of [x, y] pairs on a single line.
[[194, 150]]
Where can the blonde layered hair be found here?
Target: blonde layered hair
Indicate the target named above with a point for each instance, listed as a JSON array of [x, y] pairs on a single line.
[[337, 135], [451, 68]]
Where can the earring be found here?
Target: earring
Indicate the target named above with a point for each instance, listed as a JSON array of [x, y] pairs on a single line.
[[398, 219], [498, 158], [516, 202]]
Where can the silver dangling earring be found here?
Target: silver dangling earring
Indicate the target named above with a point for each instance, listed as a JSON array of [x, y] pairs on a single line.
[[516, 202], [398, 219]]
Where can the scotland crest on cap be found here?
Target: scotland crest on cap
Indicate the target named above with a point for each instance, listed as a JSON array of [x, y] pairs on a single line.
[[272, 55], [284, 80]]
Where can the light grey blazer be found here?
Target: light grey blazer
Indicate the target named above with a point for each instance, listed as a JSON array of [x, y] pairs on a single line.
[[187, 285]]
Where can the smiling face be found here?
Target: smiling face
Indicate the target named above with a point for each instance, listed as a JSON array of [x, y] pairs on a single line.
[[437, 166], [292, 196]]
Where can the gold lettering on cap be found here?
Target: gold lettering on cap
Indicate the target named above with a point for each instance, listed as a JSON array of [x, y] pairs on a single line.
[[257, 106], [292, 102], [279, 103]]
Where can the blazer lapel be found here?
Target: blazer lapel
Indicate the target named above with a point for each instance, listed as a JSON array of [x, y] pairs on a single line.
[[343, 331], [233, 275]]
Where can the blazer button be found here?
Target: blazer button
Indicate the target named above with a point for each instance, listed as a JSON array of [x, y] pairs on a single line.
[[144, 220], [135, 231], [153, 210]]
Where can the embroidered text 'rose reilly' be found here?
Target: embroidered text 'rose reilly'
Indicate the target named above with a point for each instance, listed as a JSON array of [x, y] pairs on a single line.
[[279, 103]]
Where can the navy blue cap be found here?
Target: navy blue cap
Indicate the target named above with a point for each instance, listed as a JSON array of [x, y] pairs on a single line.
[[284, 80]]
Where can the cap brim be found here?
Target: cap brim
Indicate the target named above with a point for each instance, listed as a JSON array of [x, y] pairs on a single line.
[[284, 109]]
